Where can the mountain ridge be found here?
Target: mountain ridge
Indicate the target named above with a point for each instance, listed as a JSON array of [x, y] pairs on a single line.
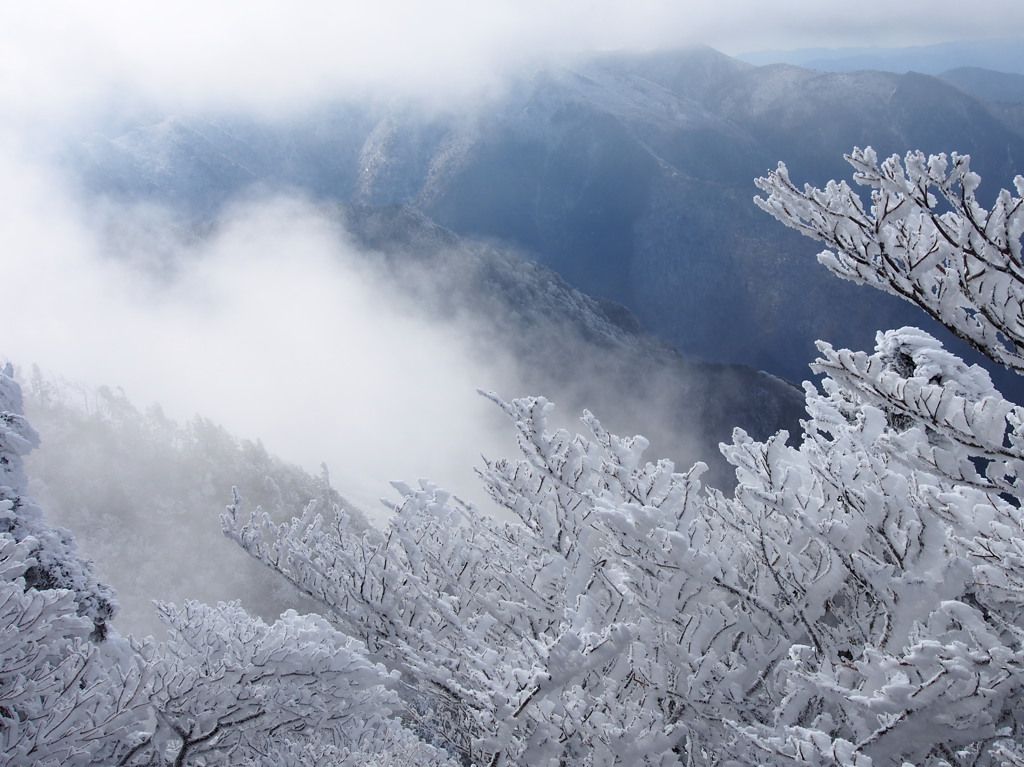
[[630, 175], [999, 54]]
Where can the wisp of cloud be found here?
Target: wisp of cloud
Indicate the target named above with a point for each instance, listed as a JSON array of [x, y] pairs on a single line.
[[273, 326], [57, 55]]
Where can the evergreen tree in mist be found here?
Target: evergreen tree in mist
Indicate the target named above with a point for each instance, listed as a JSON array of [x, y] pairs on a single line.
[[144, 495], [55, 564]]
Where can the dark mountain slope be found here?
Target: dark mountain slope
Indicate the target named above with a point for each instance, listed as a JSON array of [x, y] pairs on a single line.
[[629, 175], [580, 351], [986, 84], [1001, 92]]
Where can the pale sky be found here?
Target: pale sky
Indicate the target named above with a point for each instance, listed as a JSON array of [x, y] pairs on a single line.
[[270, 54]]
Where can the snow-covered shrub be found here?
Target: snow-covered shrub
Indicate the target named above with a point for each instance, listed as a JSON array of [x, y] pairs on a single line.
[[854, 600], [69, 694], [228, 688]]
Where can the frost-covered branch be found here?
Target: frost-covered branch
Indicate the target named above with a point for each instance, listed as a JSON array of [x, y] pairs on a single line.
[[925, 238]]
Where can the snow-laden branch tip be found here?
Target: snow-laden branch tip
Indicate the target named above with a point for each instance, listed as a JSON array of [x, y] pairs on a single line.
[[924, 237]]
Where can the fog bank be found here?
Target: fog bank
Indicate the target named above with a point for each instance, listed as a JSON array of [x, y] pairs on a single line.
[[273, 325]]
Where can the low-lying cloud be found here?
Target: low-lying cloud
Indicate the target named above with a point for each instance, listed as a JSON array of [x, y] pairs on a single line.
[[276, 325], [279, 327], [56, 55], [273, 326]]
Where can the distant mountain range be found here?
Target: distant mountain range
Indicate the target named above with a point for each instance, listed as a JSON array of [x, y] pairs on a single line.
[[629, 175], [1004, 87], [1000, 55]]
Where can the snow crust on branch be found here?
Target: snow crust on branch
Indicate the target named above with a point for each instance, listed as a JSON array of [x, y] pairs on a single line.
[[925, 238], [66, 698], [855, 600]]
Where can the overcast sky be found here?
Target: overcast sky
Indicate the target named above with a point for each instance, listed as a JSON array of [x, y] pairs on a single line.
[[270, 53]]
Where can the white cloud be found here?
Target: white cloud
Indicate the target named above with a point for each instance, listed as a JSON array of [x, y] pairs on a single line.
[[264, 324], [56, 53], [274, 328], [261, 330]]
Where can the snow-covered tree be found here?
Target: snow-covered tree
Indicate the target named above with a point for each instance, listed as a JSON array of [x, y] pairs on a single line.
[[925, 238], [855, 600], [230, 689], [226, 689], [128, 481], [64, 700], [69, 694]]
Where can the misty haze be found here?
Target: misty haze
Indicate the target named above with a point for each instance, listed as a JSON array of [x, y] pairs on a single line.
[[327, 332]]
